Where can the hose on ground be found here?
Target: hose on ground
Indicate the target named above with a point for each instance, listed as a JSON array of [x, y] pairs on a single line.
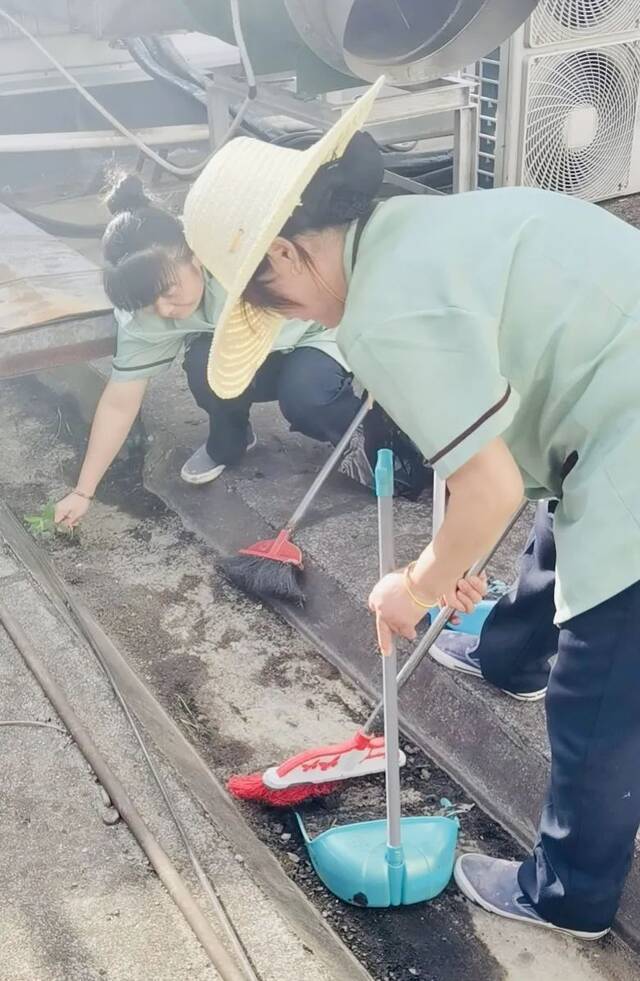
[[166, 870]]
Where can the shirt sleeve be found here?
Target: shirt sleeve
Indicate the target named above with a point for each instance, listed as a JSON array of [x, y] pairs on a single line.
[[138, 356], [438, 377]]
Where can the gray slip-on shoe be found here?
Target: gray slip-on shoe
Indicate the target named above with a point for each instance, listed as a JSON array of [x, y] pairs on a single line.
[[492, 883]]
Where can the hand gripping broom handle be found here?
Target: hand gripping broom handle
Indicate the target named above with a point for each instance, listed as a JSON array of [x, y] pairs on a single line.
[[439, 624], [328, 467]]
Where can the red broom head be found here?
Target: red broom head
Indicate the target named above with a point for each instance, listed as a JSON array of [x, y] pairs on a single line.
[[278, 549], [252, 787]]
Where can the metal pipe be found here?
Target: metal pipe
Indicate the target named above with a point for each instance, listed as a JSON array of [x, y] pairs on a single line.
[[100, 139], [167, 872]]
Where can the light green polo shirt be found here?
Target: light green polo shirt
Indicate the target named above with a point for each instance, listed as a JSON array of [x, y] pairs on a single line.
[[513, 313], [147, 344]]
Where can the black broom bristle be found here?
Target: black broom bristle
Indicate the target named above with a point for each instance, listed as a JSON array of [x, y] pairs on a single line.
[[265, 578]]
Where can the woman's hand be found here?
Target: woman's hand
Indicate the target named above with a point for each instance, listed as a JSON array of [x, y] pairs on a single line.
[[71, 510], [115, 414], [466, 596], [395, 611]]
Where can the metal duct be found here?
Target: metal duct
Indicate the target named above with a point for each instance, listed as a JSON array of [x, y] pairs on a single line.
[[410, 41]]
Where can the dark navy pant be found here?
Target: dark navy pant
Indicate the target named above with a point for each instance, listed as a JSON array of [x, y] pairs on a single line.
[[315, 394], [575, 876]]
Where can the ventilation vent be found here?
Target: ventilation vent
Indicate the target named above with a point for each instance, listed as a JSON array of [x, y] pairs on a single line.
[[580, 116], [554, 21]]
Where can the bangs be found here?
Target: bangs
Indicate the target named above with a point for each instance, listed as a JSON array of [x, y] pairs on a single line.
[[259, 292], [263, 295], [138, 280]]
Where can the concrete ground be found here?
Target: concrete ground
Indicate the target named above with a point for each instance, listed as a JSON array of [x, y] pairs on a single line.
[[80, 899], [246, 689]]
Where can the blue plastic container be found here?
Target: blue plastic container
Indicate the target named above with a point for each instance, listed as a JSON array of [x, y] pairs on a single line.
[[356, 864], [470, 623]]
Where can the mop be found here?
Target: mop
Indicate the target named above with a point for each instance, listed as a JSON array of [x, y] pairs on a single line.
[[272, 569], [318, 772]]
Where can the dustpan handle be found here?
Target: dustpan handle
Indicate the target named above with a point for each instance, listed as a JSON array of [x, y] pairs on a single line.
[[328, 467], [440, 622], [384, 491]]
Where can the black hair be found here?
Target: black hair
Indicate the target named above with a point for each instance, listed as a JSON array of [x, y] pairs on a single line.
[[341, 191], [141, 245]]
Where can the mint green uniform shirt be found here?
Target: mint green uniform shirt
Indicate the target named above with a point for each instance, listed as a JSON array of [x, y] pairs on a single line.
[[513, 313], [147, 344]]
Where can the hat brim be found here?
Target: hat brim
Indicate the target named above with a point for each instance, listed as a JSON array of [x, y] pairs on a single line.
[[244, 334]]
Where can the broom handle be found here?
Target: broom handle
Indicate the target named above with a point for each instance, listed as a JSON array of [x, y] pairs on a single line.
[[439, 624], [439, 503], [328, 467]]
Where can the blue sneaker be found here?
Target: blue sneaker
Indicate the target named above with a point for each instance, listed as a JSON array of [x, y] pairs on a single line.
[[492, 883], [456, 651]]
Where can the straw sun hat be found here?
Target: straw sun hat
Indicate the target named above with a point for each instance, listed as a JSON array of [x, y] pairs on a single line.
[[235, 209]]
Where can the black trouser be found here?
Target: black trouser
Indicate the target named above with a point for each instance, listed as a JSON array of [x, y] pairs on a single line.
[[315, 394], [592, 811]]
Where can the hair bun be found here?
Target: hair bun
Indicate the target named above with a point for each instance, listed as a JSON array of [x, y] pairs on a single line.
[[361, 167], [127, 194], [355, 176]]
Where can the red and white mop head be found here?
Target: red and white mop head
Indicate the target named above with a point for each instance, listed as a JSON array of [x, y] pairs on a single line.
[[314, 773]]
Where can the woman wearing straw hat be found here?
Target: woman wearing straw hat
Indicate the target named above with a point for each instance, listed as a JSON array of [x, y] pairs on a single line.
[[165, 303], [501, 331]]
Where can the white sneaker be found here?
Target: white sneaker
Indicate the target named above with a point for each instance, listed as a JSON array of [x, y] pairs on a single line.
[[201, 469]]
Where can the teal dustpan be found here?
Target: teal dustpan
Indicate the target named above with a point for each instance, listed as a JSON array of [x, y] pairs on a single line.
[[358, 863], [401, 860], [468, 623]]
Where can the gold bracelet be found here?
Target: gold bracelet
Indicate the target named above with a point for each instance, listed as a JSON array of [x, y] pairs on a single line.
[[87, 497], [408, 584]]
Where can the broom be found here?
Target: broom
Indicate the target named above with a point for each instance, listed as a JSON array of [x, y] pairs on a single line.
[[318, 772], [272, 569]]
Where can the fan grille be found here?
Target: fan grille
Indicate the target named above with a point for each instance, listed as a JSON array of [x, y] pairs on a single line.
[[580, 120], [567, 20]]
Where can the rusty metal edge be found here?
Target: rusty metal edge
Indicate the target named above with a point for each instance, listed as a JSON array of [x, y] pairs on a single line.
[[29, 362]]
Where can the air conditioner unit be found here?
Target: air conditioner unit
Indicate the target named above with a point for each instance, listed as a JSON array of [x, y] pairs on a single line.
[[560, 101]]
